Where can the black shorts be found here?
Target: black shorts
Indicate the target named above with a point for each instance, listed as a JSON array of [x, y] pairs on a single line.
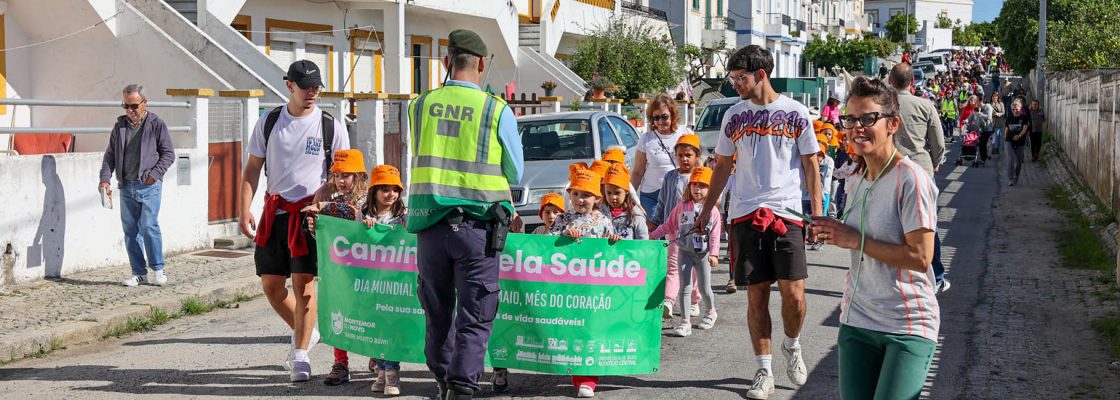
[[766, 257], [276, 259]]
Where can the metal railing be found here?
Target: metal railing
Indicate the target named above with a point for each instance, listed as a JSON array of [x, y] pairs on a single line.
[[320, 104], [719, 23], [648, 11], [83, 103], [779, 18]]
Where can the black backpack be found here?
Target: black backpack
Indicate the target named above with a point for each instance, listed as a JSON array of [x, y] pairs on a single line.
[[328, 136]]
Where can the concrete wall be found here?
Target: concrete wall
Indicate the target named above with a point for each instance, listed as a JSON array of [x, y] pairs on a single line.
[[224, 10], [1083, 119], [924, 10], [55, 225]]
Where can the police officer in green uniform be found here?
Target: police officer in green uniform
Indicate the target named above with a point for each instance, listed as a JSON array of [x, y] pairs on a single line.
[[466, 153]]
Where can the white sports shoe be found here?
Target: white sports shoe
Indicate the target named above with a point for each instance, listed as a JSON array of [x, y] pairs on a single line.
[[301, 371], [694, 310], [709, 320], [795, 366], [585, 392], [667, 310], [135, 280], [683, 330], [763, 386], [160, 278]]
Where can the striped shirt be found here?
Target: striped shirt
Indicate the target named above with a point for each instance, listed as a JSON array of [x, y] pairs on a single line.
[[878, 296]]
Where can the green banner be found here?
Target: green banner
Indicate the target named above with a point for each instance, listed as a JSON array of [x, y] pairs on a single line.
[[588, 308]]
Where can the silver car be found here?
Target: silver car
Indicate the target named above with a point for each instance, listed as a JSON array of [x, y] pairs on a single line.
[[709, 122], [554, 141]]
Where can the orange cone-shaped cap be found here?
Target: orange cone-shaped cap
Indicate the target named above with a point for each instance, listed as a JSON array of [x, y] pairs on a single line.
[[701, 175], [385, 175], [617, 175], [587, 181], [615, 155], [348, 161], [689, 139], [554, 199]]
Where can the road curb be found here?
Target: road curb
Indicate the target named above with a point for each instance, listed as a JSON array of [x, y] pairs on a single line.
[[71, 333]]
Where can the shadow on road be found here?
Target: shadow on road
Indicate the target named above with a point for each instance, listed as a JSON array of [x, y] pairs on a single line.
[[214, 340]]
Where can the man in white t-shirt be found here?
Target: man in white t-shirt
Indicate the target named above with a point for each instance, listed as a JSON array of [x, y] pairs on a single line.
[[770, 140], [296, 155]]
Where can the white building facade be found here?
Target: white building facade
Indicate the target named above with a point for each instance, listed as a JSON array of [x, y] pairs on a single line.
[[878, 12]]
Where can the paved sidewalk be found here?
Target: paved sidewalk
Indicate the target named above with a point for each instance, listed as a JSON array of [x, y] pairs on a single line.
[[81, 308]]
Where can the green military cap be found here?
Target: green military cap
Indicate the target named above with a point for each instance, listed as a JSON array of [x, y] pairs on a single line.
[[466, 41]]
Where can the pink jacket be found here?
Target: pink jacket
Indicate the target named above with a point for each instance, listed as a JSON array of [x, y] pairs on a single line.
[[672, 226]]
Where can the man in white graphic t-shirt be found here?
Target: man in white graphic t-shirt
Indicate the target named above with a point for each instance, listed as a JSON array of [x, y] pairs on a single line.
[[769, 139], [293, 143]]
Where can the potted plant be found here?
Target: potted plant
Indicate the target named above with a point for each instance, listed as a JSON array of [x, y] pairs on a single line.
[[598, 85], [613, 90], [548, 87]]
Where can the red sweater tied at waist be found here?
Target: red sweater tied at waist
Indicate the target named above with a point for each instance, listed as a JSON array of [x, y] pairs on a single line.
[[764, 219], [297, 243]]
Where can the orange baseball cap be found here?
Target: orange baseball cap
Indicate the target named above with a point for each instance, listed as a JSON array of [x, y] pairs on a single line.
[[689, 139], [617, 175], [587, 181], [600, 167], [701, 175], [614, 155], [348, 161], [554, 199], [385, 175]]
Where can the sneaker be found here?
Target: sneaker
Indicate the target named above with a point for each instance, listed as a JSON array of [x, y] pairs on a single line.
[[160, 278], [762, 387], [301, 371], [709, 320], [340, 374], [499, 381], [392, 382], [795, 365], [135, 280], [683, 330], [943, 286], [694, 310], [667, 310], [379, 383], [731, 288], [585, 392]]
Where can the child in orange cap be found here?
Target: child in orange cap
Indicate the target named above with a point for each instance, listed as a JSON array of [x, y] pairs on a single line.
[[621, 205], [582, 220], [614, 155], [343, 195], [696, 252], [673, 187], [552, 205]]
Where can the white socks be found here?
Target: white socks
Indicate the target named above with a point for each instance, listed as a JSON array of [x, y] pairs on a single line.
[[299, 355], [764, 362], [791, 343]]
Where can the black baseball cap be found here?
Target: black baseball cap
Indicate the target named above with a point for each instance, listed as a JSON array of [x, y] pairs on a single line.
[[304, 74]]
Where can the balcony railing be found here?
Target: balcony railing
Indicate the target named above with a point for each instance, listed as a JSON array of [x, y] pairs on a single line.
[[779, 18], [719, 23], [648, 11]]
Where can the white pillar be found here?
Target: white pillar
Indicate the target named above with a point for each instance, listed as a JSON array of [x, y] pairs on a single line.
[[551, 103], [602, 104], [398, 75], [642, 104], [682, 108], [370, 137]]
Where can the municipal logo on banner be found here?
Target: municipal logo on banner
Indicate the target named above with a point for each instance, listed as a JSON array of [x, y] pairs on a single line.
[[589, 308]]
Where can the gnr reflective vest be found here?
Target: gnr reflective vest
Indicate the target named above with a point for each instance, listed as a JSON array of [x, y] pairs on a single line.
[[456, 155], [949, 108]]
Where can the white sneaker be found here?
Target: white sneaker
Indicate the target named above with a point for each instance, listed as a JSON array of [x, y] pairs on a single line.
[[795, 366], [667, 310], [135, 280], [585, 392], [709, 320], [683, 330], [763, 386], [160, 278], [301, 371], [694, 310]]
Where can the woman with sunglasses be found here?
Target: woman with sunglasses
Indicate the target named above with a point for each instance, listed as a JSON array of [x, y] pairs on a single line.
[[889, 315], [654, 156]]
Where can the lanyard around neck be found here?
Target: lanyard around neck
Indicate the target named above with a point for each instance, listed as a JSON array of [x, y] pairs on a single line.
[[863, 221]]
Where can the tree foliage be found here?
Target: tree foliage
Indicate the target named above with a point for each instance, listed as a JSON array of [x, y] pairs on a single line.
[[631, 56], [974, 34], [943, 23], [848, 54], [901, 25], [698, 61], [1083, 34]]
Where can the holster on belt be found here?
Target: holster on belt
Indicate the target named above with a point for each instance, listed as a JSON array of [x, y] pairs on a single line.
[[499, 227]]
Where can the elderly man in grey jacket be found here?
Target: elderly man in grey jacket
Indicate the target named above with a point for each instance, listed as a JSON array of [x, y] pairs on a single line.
[[920, 138], [139, 153]]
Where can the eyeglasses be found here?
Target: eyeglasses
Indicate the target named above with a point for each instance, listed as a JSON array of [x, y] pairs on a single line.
[[866, 120], [661, 117], [736, 79], [132, 107]]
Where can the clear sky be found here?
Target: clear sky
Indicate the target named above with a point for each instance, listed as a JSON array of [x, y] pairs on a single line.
[[986, 10]]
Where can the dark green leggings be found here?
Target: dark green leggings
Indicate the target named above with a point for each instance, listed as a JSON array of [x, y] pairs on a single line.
[[882, 366]]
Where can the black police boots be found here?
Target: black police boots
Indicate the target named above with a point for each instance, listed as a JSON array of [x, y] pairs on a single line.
[[456, 392]]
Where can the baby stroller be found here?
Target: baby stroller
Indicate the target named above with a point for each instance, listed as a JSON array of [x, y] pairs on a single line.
[[969, 146]]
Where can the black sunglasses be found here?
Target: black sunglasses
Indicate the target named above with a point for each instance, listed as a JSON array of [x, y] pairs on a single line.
[[133, 107], [662, 117], [866, 120]]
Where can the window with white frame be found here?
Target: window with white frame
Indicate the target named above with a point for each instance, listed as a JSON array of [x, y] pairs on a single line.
[[286, 46], [365, 68]]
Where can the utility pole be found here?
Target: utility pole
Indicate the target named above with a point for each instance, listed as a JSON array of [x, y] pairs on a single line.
[[1040, 86]]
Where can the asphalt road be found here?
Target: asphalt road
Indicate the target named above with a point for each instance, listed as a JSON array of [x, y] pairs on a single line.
[[236, 353]]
